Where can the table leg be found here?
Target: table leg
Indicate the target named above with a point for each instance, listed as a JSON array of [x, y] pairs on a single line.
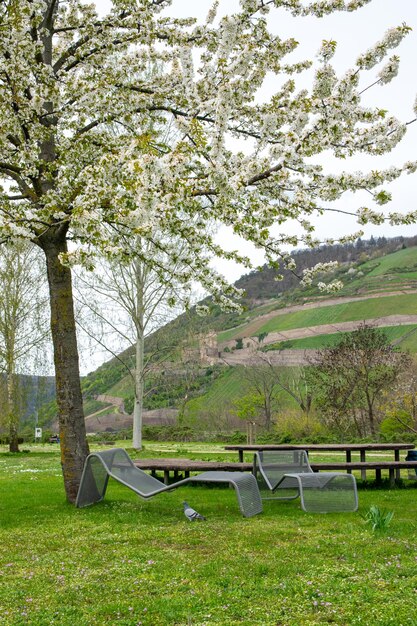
[[240, 456], [349, 459], [397, 471], [363, 459]]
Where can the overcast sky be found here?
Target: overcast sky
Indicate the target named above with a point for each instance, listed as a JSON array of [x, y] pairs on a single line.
[[354, 33]]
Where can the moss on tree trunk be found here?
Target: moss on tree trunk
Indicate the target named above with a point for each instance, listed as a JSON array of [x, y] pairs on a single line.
[[74, 446]]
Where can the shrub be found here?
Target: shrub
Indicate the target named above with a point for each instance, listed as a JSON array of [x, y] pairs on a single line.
[[390, 427], [377, 519], [237, 437]]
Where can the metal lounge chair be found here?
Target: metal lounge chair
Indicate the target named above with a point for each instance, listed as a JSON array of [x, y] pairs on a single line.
[[319, 492], [116, 463]]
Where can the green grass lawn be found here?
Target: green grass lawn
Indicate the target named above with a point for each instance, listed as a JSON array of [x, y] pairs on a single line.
[[133, 562]]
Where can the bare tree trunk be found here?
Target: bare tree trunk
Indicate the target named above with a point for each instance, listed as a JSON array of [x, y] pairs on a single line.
[[74, 446], [138, 407], [371, 417], [140, 341], [13, 431], [11, 408]]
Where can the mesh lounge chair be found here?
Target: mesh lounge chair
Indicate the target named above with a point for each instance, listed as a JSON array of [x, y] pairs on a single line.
[[290, 470], [116, 463]]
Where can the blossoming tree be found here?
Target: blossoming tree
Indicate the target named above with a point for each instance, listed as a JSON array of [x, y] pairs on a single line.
[[68, 77]]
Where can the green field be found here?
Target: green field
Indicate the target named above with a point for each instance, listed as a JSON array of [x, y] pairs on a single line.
[[222, 394], [398, 269], [132, 562], [404, 304], [122, 389]]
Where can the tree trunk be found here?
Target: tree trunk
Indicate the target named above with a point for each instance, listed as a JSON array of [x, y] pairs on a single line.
[[140, 341], [11, 409], [371, 416], [138, 408], [74, 446]]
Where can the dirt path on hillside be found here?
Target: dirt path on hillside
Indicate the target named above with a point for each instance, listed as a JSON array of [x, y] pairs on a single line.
[[338, 327], [287, 358], [293, 357], [248, 330]]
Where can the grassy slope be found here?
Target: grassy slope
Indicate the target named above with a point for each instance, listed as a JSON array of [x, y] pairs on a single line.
[[228, 388], [129, 562], [349, 311], [398, 268], [345, 312], [407, 334], [403, 260]]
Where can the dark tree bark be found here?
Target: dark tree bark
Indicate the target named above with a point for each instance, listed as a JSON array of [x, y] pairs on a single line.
[[74, 446], [13, 439], [11, 407]]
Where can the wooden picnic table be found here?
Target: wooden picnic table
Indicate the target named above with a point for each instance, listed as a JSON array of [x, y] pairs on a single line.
[[182, 467], [186, 466], [348, 448]]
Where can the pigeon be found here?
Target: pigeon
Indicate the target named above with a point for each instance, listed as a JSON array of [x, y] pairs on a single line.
[[190, 513]]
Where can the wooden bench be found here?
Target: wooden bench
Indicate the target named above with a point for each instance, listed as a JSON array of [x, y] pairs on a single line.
[[393, 468], [185, 466]]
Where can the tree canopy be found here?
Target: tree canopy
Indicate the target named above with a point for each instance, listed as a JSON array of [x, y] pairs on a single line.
[[69, 77]]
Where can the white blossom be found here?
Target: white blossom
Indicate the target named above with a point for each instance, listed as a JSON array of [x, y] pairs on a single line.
[[83, 134], [389, 71]]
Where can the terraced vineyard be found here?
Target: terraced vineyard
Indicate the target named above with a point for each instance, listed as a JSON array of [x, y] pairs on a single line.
[[350, 311], [326, 313], [375, 289], [405, 337]]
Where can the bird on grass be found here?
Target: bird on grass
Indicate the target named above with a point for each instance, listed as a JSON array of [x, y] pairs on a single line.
[[190, 513]]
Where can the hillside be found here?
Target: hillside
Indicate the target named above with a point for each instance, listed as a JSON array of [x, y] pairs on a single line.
[[380, 286], [35, 393]]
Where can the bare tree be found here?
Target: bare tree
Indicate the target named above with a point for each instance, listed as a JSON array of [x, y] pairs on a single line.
[[23, 323], [265, 389], [352, 376], [269, 380], [132, 302]]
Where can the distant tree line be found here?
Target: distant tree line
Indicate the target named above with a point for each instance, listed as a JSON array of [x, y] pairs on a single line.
[[262, 284]]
